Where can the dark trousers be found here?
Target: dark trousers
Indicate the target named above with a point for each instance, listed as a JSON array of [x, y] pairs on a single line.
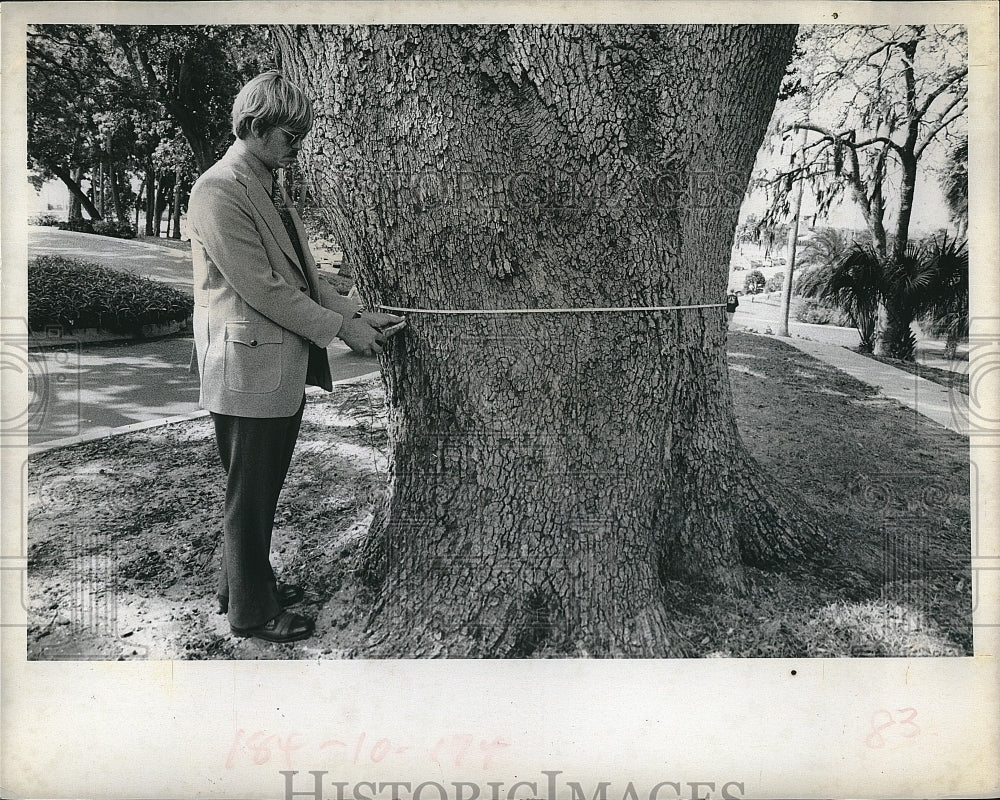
[[255, 455]]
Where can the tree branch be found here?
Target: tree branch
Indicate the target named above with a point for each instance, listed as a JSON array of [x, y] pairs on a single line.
[[126, 47], [956, 76], [843, 139], [944, 123]]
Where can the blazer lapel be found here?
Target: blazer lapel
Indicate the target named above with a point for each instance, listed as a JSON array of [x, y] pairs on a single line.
[[266, 209], [261, 200]]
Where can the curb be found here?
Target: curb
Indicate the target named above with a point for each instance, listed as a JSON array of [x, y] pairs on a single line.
[[87, 336], [84, 438]]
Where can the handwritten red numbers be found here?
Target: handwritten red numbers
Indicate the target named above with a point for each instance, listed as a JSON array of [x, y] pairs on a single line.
[[459, 749], [362, 752], [261, 747], [885, 724]]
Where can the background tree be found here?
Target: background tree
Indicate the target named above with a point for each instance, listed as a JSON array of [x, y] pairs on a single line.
[[955, 183], [945, 302], [175, 172], [930, 280], [754, 282], [828, 277], [65, 94], [553, 475], [193, 72], [877, 101], [855, 283], [818, 253], [764, 232], [108, 102]]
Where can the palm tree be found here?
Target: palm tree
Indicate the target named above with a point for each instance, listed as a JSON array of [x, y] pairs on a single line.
[[930, 279], [946, 306], [855, 285], [817, 255], [955, 184]]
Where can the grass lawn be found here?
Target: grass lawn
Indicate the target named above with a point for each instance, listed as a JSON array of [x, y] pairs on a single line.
[[132, 523]]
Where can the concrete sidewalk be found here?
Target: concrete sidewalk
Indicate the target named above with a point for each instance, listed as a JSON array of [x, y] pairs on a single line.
[[945, 405], [96, 391], [79, 393]]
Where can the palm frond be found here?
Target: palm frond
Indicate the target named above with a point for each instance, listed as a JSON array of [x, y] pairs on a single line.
[[945, 304]]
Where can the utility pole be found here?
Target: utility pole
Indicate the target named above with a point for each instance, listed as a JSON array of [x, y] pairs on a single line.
[[793, 238]]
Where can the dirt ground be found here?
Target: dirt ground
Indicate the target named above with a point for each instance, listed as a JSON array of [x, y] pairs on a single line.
[[123, 532]]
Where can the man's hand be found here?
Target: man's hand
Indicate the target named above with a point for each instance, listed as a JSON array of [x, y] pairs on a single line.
[[367, 333]]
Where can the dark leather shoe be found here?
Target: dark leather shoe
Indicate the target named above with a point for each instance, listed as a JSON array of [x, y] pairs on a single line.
[[286, 627], [288, 595]]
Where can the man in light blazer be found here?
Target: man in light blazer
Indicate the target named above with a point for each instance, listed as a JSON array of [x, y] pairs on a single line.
[[262, 321]]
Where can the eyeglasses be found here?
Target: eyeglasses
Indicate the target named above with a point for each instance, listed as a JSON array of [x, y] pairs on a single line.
[[294, 139]]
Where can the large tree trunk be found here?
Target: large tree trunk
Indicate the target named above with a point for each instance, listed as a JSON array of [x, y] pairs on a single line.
[[76, 193], [551, 473], [897, 339]]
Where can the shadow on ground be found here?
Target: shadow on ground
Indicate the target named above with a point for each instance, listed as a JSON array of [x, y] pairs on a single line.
[[123, 531]]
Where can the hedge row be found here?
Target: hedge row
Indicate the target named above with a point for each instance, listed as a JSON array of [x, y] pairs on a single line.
[[102, 227], [73, 294]]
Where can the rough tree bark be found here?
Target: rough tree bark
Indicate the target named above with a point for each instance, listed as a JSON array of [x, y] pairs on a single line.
[[914, 64], [552, 473]]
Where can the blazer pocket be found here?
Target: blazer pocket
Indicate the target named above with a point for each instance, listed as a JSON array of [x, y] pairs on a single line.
[[253, 357]]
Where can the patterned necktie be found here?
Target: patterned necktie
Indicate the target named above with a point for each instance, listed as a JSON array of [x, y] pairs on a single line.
[[277, 199], [282, 209]]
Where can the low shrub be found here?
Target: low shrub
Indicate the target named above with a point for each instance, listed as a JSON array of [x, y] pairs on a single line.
[[775, 282], [119, 229], [819, 313], [46, 220], [78, 225], [816, 313], [73, 294]]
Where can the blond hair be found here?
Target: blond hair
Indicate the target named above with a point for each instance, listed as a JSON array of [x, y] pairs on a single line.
[[271, 100]]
